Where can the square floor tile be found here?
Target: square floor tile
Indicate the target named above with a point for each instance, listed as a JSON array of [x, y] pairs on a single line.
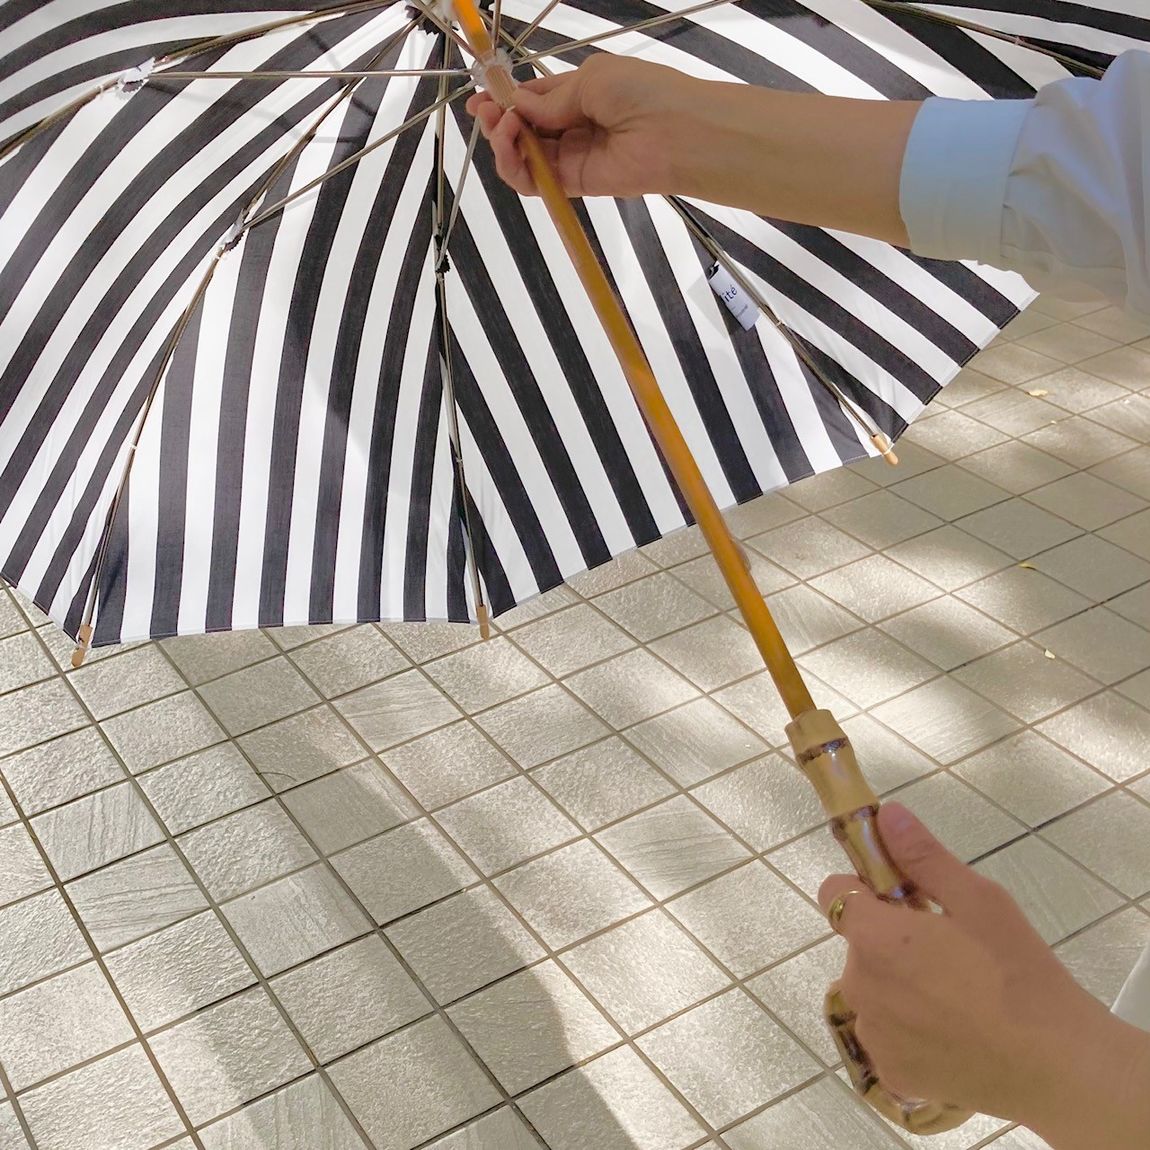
[[1018, 528], [403, 870], [887, 760], [36, 714], [681, 544], [613, 1103], [1137, 688], [400, 708], [762, 514], [765, 802], [448, 764], [349, 805], [571, 893], [1087, 501], [818, 492], [749, 918], [807, 619], [246, 849], [118, 1102], [294, 919], [1013, 411], [160, 732], [867, 667], [422, 642], [413, 1085], [573, 639], [757, 703], [946, 720], [23, 661], [711, 654], [875, 587], [548, 723], [1031, 777], [1057, 896], [38, 1032], [631, 688], [1094, 567], [882, 519], [1133, 534], [486, 675], [349, 997], [1101, 643], [350, 660], [703, 575], [532, 1025], [301, 748], [1079, 441], [645, 970], [228, 1055], [673, 846], [794, 990], [808, 546], [135, 897], [97, 829], [302, 1116], [1115, 324], [1102, 956], [1076, 390], [110, 686], [1129, 415], [654, 606], [288, 638], [1112, 838], [22, 871], [1017, 467], [824, 1116], [1021, 680], [258, 695], [949, 558], [696, 741], [506, 825], [464, 943], [179, 970], [604, 782], [203, 787], [538, 608], [951, 435], [606, 577], [958, 816], [1068, 342], [1013, 364], [503, 1130], [728, 1057], [201, 658], [38, 937], [1024, 598], [1130, 470], [1106, 731], [1127, 366], [64, 769]]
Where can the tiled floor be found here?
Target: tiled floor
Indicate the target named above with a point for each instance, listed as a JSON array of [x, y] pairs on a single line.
[[386, 887]]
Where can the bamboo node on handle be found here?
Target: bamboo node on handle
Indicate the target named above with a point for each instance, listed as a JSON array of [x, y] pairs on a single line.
[[83, 646], [885, 448]]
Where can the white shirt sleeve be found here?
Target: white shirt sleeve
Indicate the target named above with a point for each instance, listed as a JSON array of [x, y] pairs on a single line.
[[1056, 188]]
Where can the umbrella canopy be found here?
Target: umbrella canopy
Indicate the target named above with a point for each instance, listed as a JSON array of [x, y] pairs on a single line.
[[280, 349]]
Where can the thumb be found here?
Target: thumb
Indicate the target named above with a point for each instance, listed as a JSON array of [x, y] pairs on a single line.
[[926, 862], [552, 103]]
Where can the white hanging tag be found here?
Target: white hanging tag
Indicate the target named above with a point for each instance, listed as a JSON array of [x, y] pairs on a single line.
[[135, 78], [739, 304]]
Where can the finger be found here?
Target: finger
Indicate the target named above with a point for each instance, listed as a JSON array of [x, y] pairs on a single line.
[[840, 885], [508, 158], [476, 101], [927, 863], [554, 107]]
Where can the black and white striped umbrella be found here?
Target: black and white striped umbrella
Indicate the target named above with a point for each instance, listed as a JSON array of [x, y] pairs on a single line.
[[277, 347]]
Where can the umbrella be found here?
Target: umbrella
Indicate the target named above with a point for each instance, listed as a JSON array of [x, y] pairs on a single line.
[[277, 347]]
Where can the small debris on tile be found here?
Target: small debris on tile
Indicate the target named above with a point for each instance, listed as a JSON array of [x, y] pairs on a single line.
[[1038, 392], [1050, 654]]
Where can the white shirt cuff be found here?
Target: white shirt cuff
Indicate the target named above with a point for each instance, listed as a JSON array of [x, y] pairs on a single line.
[[954, 174]]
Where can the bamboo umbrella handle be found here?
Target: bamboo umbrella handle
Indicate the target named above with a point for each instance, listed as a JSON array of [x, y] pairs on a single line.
[[821, 747]]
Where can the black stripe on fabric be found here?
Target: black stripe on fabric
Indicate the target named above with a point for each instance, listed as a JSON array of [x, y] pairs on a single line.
[[1065, 12], [529, 398], [505, 475], [877, 284], [967, 283], [835, 43], [959, 49], [495, 582], [457, 609], [383, 445], [692, 356], [562, 336], [235, 394], [311, 268], [833, 314], [113, 596], [18, 168], [423, 461], [172, 496], [361, 284]]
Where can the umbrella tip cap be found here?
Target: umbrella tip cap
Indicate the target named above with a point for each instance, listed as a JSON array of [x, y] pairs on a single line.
[[884, 448]]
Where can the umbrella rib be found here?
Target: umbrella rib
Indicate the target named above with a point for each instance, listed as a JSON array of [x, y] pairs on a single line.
[[972, 26], [366, 74]]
